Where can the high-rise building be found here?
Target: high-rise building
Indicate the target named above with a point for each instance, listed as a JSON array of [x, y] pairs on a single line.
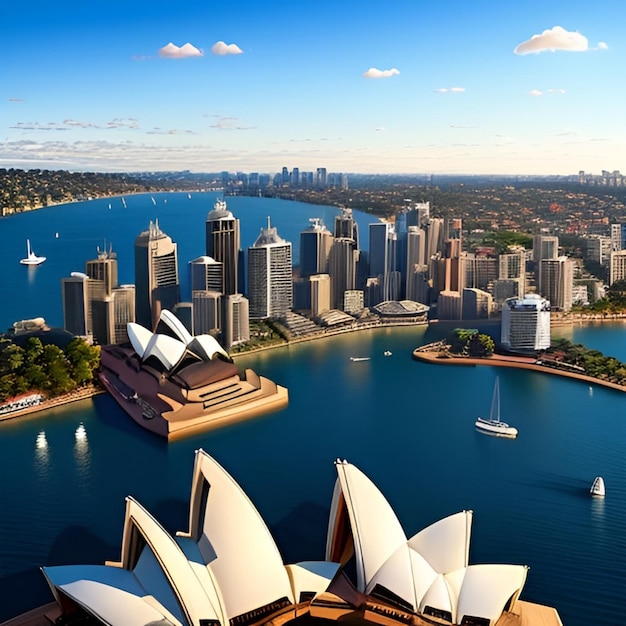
[[512, 265], [353, 302], [449, 305], [223, 244], [76, 310], [342, 269], [207, 312], [320, 293], [476, 304], [270, 289], [321, 177], [315, 244], [103, 274], [505, 288], [526, 324], [383, 259], [346, 227], [206, 274], [617, 267], [599, 249], [618, 237], [545, 247], [156, 275], [236, 324], [123, 311], [416, 248], [417, 285], [556, 282]]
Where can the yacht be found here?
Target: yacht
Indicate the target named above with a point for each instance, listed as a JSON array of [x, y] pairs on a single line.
[[31, 258], [493, 425]]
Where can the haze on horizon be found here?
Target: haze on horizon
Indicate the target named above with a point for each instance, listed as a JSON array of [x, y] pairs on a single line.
[[450, 87]]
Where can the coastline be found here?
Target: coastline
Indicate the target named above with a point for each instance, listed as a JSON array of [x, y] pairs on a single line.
[[499, 360], [83, 393]]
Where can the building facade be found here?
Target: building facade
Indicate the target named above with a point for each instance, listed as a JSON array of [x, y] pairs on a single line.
[[526, 324]]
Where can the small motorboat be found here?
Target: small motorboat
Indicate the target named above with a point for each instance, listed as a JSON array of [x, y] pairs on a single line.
[[356, 359], [387, 352], [597, 487]]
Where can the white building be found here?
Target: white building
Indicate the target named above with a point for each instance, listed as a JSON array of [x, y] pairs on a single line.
[[526, 323], [617, 266]]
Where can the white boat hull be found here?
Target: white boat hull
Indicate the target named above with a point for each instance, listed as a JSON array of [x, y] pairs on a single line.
[[597, 488], [499, 429]]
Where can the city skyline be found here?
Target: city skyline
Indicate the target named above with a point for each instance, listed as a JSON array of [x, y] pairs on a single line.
[[449, 87]]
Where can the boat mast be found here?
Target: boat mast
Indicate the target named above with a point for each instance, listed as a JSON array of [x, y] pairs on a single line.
[[495, 403]]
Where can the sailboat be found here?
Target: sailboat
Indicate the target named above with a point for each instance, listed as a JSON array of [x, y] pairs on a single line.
[[597, 488], [31, 258], [493, 426]]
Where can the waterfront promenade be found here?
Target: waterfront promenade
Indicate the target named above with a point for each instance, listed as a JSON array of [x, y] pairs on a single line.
[[432, 354]]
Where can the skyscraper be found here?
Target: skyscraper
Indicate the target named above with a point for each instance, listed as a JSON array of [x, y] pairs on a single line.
[[383, 258], [315, 244], [342, 269], [76, 310], [223, 243], [270, 288], [156, 275], [346, 226], [556, 282], [236, 325], [526, 323], [206, 274]]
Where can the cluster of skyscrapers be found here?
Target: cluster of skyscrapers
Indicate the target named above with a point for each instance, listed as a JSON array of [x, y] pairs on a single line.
[[417, 258]]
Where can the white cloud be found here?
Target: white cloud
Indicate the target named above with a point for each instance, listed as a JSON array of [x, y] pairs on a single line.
[[450, 90], [556, 91], [376, 73], [556, 38], [16, 100], [535, 92], [602, 46], [229, 123], [174, 52], [220, 48]]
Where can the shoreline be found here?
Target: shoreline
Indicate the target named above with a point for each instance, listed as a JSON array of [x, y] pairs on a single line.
[[500, 360]]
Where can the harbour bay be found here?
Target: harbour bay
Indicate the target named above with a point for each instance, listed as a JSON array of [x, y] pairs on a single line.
[[408, 425]]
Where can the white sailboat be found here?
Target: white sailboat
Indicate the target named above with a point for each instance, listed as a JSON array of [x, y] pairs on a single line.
[[493, 425], [31, 258], [597, 488]]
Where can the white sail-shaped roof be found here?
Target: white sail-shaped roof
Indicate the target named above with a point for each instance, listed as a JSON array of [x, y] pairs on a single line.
[[139, 337], [168, 350], [376, 530], [234, 541], [206, 347], [175, 325], [487, 588], [445, 544], [151, 583], [427, 574]]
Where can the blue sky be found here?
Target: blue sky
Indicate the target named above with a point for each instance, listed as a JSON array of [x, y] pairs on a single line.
[[476, 87]]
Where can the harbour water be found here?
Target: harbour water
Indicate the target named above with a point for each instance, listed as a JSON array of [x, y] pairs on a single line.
[[408, 425]]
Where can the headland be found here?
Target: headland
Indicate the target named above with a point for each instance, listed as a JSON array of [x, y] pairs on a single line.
[[435, 353]]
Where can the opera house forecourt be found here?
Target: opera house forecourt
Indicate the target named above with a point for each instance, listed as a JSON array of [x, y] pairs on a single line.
[[175, 384], [226, 570]]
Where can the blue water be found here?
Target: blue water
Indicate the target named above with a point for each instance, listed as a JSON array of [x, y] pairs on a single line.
[[408, 425]]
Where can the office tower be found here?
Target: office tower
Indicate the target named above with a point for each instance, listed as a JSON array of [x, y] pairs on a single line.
[[123, 312], [295, 177], [599, 249], [342, 269], [556, 281], [545, 247], [315, 244], [206, 274], [505, 288], [617, 266], [417, 285], [285, 176], [449, 305], [526, 324], [223, 244], [76, 311], [321, 177], [236, 323], [383, 258], [270, 289], [353, 303], [346, 226], [478, 272], [319, 285], [512, 265], [618, 237], [156, 275], [207, 312], [418, 214], [416, 248], [434, 227], [476, 304], [102, 272]]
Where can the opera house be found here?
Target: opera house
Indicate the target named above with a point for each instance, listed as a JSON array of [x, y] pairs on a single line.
[[226, 570], [175, 384]]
